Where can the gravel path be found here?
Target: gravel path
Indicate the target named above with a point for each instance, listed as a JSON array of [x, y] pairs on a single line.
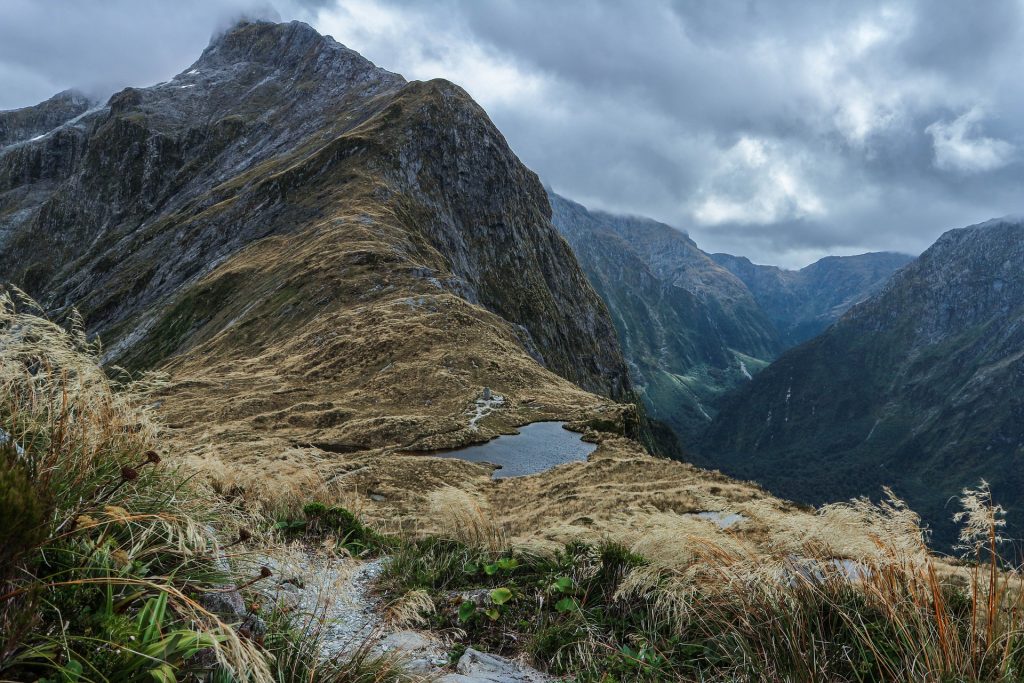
[[334, 590], [339, 591]]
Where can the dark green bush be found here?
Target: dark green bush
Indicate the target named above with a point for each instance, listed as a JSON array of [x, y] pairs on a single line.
[[24, 512], [319, 519]]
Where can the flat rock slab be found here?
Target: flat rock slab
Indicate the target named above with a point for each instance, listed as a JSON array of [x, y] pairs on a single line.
[[479, 667], [424, 655]]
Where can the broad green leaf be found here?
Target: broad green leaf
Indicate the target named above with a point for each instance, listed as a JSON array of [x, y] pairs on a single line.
[[499, 596], [73, 670], [562, 584], [466, 611], [490, 569], [492, 613], [566, 605]]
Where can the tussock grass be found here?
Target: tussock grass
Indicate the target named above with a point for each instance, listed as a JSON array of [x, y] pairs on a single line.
[[669, 601], [108, 555], [467, 518]]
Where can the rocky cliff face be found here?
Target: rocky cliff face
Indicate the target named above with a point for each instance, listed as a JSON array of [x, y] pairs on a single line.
[[20, 125], [802, 303], [311, 245], [918, 387]]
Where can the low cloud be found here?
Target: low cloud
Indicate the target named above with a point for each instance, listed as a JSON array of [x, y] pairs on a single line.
[[756, 182], [959, 146]]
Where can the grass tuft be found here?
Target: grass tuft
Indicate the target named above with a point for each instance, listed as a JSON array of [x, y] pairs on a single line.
[[672, 603]]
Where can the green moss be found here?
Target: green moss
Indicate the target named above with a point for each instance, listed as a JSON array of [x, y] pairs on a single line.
[[177, 327]]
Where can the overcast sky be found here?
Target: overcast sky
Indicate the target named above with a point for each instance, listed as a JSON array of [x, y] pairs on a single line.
[[782, 130]]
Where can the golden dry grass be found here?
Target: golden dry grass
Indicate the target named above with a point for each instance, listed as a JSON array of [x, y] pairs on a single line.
[[87, 446]]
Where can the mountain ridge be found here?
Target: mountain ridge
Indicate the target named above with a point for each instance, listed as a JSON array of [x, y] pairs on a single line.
[[182, 170]]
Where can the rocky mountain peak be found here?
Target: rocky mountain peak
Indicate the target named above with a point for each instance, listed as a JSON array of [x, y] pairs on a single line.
[[19, 125], [969, 275], [292, 47]]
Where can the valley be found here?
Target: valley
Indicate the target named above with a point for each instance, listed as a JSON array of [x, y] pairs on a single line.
[[694, 326]]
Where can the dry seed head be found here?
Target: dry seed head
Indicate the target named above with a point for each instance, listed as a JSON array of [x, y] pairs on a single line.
[[115, 511], [84, 521], [981, 518]]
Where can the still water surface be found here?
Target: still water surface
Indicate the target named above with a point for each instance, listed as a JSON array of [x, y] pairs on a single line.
[[537, 447]]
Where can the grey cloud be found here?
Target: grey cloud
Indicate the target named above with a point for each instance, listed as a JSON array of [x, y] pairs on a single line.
[[875, 134], [781, 130]]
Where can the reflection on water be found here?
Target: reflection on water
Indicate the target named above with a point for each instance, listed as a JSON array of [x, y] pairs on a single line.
[[538, 447]]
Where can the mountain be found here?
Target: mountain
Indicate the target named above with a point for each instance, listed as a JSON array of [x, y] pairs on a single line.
[[19, 125], [694, 326], [918, 387], [802, 303], [688, 328], [321, 257], [165, 181]]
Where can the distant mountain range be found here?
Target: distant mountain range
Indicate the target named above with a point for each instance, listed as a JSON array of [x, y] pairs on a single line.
[[802, 303], [694, 326], [921, 387]]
